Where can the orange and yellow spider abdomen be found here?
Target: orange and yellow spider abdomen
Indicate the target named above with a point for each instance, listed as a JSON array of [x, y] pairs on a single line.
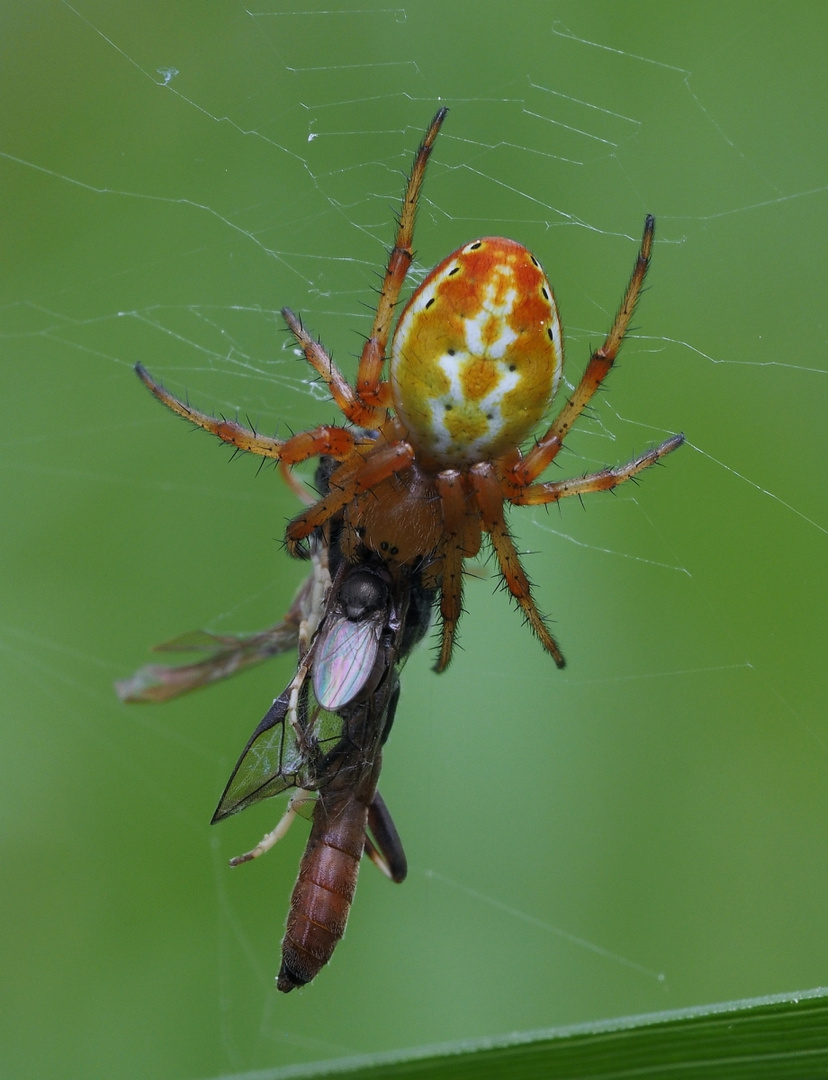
[[477, 354]]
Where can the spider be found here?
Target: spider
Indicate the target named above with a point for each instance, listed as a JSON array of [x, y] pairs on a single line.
[[433, 452]]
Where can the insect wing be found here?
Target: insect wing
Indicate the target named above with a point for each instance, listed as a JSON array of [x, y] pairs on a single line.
[[268, 765], [344, 660], [274, 759], [277, 757], [225, 656]]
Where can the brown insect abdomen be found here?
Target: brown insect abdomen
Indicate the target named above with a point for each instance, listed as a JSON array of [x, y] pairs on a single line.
[[324, 889]]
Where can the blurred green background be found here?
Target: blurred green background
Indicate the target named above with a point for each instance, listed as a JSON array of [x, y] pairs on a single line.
[[645, 830]]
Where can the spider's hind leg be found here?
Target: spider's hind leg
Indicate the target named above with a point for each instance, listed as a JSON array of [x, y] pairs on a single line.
[[603, 480], [489, 496], [529, 468]]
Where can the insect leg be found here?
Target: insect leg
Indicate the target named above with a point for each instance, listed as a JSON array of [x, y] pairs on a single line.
[[275, 835], [384, 847]]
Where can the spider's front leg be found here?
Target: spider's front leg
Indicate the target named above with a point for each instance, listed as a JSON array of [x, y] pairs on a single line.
[[336, 442], [369, 387], [343, 394], [364, 404]]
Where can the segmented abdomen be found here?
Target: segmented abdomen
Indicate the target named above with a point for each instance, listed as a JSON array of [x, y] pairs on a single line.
[[324, 889]]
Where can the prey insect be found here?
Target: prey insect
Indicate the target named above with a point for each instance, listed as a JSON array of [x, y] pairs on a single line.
[[322, 737]]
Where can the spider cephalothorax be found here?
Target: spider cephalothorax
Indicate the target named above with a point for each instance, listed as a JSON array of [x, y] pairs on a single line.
[[434, 451]]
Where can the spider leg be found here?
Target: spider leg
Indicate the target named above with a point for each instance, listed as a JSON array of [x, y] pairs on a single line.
[[302, 493], [369, 387], [604, 480], [453, 552], [346, 484], [337, 442], [489, 496], [542, 454], [342, 392]]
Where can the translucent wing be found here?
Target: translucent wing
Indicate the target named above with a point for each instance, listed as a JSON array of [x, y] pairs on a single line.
[[283, 751], [301, 742], [225, 656], [269, 764], [344, 660]]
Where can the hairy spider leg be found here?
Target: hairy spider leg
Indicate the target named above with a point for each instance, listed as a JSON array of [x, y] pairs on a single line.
[[452, 509], [370, 388], [546, 449], [461, 540], [321, 361], [337, 442], [302, 493], [604, 480], [361, 405], [487, 490], [353, 479]]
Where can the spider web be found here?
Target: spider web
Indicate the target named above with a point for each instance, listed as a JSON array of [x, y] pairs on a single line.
[[642, 831]]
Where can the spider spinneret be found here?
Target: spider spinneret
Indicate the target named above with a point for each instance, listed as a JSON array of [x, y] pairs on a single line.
[[475, 361]]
